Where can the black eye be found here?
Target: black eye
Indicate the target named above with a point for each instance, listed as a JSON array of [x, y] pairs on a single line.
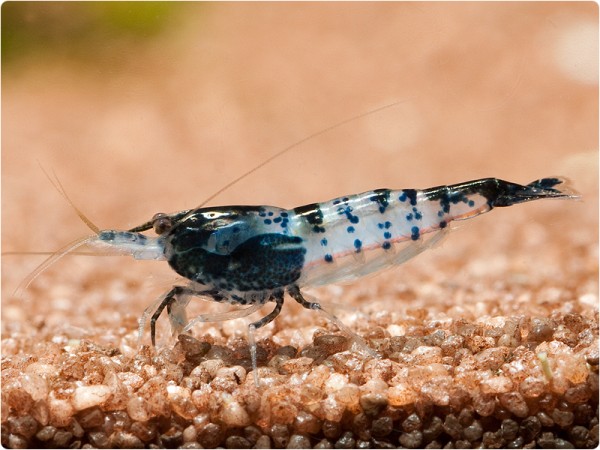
[[161, 223]]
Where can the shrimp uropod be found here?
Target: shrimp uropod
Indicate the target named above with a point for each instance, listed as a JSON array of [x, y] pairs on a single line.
[[251, 255]]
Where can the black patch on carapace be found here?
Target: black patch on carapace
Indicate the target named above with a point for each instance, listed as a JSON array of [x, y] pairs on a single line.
[[313, 215], [265, 261], [260, 262], [381, 196]]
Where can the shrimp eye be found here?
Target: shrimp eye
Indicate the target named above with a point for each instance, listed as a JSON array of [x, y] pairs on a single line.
[[161, 223]]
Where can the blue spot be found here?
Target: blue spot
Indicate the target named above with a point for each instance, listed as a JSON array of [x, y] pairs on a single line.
[[387, 235], [402, 197], [277, 219], [270, 213], [386, 245], [443, 224], [357, 245], [284, 214], [267, 221], [414, 233], [348, 212], [345, 199], [409, 216], [440, 213], [380, 225], [387, 224], [445, 204], [350, 229], [418, 216], [323, 242], [328, 258], [336, 202], [451, 197], [471, 203], [381, 196], [318, 229], [262, 214], [456, 197]]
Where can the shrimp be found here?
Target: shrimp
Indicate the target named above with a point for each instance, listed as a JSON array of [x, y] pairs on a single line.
[[253, 255]]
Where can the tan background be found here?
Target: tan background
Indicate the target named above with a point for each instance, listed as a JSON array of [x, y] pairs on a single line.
[[147, 125]]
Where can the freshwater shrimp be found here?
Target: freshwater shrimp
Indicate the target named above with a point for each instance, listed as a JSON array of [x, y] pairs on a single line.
[[252, 255]]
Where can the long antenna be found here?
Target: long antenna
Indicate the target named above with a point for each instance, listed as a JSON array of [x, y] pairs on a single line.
[[296, 144], [48, 262], [61, 190], [15, 253]]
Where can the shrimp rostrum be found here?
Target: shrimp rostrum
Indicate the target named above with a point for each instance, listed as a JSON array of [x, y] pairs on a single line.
[[251, 255]]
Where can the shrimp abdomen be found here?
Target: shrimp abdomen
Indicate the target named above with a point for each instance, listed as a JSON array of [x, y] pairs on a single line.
[[352, 236]]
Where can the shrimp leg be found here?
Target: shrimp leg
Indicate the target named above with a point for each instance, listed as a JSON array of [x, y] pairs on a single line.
[[175, 301], [295, 293]]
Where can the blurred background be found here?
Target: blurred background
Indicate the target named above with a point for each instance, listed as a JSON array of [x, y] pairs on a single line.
[[146, 107]]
